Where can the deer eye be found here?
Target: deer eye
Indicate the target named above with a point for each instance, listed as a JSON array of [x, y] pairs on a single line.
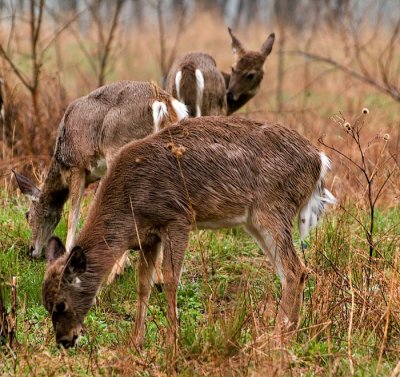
[[233, 70], [60, 307], [250, 76]]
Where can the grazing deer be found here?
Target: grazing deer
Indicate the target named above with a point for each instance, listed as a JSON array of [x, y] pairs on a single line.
[[195, 80], [208, 172], [93, 129]]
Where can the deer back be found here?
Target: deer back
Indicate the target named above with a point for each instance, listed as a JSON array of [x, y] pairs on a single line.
[[110, 117], [210, 170]]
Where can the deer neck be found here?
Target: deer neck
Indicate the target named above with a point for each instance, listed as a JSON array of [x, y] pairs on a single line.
[[104, 238], [55, 190], [234, 105], [227, 78]]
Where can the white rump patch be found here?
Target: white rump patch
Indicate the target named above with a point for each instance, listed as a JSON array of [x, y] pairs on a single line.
[[199, 91], [159, 114], [180, 109], [311, 212], [178, 79]]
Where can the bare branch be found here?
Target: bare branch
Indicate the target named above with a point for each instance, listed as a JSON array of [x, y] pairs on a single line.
[[107, 47], [14, 68], [391, 91]]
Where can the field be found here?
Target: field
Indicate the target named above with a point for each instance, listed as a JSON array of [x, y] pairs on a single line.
[[229, 295]]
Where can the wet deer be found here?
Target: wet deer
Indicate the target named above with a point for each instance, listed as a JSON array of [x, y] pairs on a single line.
[[207, 172], [92, 130], [196, 81]]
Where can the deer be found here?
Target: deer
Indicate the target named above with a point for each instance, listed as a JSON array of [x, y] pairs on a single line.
[[195, 80], [202, 173], [91, 132]]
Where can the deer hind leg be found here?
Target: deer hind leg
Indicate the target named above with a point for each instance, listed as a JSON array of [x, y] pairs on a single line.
[[119, 267], [175, 239], [159, 278], [77, 188], [146, 271], [275, 239]]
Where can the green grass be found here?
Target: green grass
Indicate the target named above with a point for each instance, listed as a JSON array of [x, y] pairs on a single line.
[[227, 299]]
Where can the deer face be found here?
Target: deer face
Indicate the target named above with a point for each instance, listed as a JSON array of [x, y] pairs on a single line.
[[62, 292], [247, 74], [43, 215], [247, 70], [42, 222]]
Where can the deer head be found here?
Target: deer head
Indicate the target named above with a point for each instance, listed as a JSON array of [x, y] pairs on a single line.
[[247, 69], [43, 215], [62, 291]]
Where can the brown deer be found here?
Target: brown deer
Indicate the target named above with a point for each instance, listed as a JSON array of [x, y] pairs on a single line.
[[207, 172], [93, 129], [195, 80]]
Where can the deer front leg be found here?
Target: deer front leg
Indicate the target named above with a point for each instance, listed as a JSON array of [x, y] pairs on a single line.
[[146, 272], [175, 240], [77, 188]]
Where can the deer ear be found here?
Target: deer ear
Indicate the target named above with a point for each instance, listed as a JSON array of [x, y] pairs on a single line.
[[77, 261], [55, 249], [237, 47], [27, 187], [266, 48]]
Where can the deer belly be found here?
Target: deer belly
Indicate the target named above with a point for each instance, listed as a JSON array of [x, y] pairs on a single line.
[[225, 222]]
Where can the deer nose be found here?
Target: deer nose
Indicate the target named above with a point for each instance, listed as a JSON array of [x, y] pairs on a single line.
[[31, 250], [66, 343], [229, 96], [33, 253]]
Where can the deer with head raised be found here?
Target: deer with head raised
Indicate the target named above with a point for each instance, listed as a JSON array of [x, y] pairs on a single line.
[[195, 80], [92, 130], [207, 172]]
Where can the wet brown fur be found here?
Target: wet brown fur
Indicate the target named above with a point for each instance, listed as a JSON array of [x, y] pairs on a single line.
[[229, 171]]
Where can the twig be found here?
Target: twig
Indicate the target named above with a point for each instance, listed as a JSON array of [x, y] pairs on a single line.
[[391, 90]]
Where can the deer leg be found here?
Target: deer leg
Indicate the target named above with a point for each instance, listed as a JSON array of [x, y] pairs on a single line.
[[293, 278], [119, 267], [77, 188], [276, 241], [159, 279], [146, 272], [175, 239]]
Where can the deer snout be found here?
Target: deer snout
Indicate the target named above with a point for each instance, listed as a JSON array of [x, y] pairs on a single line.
[[230, 96], [67, 343], [34, 252]]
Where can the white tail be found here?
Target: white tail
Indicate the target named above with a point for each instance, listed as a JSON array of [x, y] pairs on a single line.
[[160, 113], [199, 92], [311, 212]]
